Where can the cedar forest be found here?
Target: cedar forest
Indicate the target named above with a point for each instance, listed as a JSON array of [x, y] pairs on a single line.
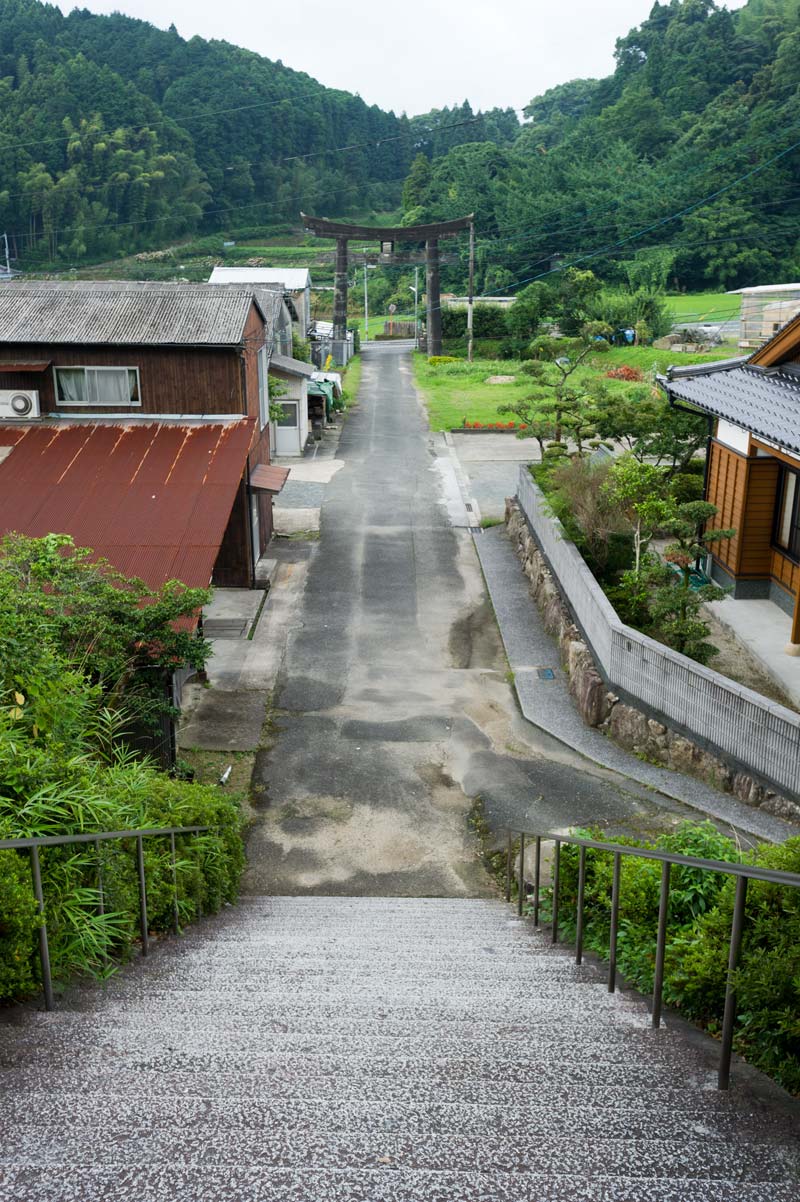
[[689, 147]]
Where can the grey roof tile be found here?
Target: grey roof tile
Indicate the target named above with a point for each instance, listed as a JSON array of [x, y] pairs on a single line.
[[124, 313], [765, 402]]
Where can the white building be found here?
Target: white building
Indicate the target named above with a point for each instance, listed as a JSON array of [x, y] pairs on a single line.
[[295, 281]]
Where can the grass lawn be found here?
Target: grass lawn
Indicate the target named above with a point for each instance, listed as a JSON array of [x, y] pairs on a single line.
[[351, 380], [455, 391], [704, 307]]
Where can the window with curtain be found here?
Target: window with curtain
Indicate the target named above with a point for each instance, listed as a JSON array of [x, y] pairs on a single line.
[[111, 386], [787, 517]]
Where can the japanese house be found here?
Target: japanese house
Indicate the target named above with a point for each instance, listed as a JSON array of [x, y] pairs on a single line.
[[753, 472], [135, 417]]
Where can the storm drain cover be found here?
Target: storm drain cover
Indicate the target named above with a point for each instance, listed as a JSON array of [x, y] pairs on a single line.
[[226, 628], [545, 673]]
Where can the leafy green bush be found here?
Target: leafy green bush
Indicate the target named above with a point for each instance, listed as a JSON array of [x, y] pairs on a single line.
[[48, 796], [701, 909], [64, 769]]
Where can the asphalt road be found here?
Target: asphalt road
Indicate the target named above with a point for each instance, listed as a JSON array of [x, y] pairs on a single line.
[[393, 708]]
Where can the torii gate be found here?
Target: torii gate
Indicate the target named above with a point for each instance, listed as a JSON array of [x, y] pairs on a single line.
[[388, 236]]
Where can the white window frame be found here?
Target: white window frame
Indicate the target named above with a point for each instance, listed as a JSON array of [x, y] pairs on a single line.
[[263, 386], [94, 368]]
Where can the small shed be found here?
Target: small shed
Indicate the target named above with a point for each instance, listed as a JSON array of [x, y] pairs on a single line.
[[764, 310], [291, 429]]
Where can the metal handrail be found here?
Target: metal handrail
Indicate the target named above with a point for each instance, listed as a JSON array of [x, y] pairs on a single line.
[[742, 872], [34, 842]]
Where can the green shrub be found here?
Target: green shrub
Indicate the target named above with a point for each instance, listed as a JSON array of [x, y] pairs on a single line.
[[701, 908], [91, 797], [439, 360]]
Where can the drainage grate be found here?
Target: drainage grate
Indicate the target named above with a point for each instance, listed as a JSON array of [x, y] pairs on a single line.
[[545, 673], [226, 628]]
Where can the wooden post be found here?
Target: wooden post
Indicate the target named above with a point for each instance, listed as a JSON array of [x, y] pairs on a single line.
[[471, 298], [434, 296], [340, 292]]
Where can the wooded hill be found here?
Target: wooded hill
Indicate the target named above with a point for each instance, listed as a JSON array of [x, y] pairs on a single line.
[[116, 136], [691, 149]]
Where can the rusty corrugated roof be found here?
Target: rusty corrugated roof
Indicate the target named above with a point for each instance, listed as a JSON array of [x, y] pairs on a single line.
[[153, 499], [268, 478], [128, 313]]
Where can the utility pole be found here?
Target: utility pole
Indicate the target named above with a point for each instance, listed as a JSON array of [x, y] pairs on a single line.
[[366, 301], [8, 260], [470, 298], [416, 303]]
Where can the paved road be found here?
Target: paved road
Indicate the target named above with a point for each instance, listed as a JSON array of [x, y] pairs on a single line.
[[393, 708]]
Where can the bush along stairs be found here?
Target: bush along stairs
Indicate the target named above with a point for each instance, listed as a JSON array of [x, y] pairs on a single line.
[[375, 1050]]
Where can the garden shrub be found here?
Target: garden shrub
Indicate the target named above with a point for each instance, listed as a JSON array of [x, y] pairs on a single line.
[[701, 909], [65, 769]]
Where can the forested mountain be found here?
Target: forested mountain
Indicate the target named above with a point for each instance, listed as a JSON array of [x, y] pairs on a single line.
[[115, 135], [684, 163]]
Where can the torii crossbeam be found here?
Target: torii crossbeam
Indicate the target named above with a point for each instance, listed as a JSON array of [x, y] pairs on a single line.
[[388, 237]]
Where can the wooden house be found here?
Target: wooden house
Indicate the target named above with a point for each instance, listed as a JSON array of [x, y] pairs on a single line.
[[148, 400], [753, 470]]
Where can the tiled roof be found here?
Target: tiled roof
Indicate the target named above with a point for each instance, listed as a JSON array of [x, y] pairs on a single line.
[[153, 499], [132, 314], [764, 401]]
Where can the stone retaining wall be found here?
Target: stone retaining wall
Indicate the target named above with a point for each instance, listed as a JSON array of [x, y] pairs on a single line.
[[630, 727]]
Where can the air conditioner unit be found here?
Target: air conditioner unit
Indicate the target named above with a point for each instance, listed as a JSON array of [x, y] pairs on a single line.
[[19, 405]]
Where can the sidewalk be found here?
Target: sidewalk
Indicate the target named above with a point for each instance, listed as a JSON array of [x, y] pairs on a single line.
[[545, 700]]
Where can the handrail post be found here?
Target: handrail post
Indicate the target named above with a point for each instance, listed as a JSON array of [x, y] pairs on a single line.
[[521, 875], [142, 894], [101, 908], [556, 882], [44, 949], [537, 878], [581, 891], [175, 915], [737, 927], [661, 943], [509, 858], [612, 939]]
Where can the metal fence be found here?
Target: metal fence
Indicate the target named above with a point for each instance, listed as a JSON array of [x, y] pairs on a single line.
[[32, 844], [761, 735], [741, 872]]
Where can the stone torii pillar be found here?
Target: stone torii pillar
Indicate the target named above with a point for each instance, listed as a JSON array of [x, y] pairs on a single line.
[[433, 294], [340, 292], [388, 237]]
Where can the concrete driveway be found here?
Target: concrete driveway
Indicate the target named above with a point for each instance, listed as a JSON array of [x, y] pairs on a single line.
[[394, 712]]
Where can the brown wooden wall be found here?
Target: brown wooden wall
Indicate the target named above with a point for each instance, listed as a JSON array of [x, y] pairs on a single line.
[[744, 489], [171, 379], [727, 489]]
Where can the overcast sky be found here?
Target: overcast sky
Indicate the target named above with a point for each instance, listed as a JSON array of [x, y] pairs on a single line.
[[418, 54]]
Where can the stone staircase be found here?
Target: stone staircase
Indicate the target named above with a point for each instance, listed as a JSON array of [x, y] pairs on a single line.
[[316, 1049]]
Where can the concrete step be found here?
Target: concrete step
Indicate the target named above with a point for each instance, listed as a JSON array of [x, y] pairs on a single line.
[[707, 1116], [107, 1143], [98, 1040], [611, 1086], [209, 1183]]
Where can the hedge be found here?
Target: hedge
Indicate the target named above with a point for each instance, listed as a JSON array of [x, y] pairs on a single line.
[[701, 909]]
